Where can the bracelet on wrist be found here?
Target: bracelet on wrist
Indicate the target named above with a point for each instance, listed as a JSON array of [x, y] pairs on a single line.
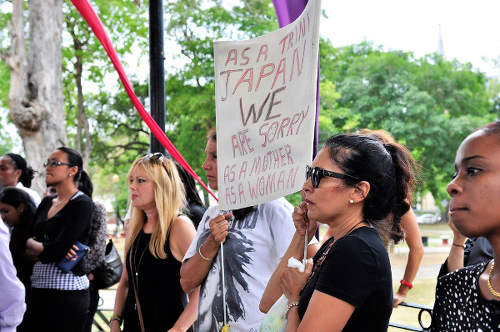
[[290, 306], [406, 283], [117, 318], [203, 257], [458, 245]]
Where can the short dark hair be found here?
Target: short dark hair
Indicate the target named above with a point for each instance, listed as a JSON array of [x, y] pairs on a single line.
[[388, 170], [491, 128]]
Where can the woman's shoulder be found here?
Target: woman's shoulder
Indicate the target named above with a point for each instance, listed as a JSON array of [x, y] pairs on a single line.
[[363, 246], [81, 198], [465, 276], [180, 225], [362, 237], [276, 204]]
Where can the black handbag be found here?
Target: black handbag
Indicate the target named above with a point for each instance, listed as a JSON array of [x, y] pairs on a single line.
[[110, 271]]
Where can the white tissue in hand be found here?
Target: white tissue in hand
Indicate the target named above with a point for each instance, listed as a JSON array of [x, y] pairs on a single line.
[[294, 262]]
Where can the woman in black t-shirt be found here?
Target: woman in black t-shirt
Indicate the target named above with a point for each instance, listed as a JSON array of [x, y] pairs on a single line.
[[359, 187]]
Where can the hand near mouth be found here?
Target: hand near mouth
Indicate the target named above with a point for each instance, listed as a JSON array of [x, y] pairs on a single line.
[[301, 220]]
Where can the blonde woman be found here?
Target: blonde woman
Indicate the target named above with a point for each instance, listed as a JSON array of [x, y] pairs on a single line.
[[158, 237]]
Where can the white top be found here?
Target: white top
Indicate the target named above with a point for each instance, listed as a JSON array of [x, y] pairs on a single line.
[[252, 251], [33, 194], [12, 304]]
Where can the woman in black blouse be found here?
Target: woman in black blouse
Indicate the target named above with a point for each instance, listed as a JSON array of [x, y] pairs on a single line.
[[157, 240], [360, 188], [59, 300], [468, 299]]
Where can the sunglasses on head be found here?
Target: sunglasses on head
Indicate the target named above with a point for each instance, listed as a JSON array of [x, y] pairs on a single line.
[[317, 173], [153, 157], [54, 163]]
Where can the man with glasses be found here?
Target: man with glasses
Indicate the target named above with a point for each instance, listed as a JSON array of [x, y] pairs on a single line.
[[254, 240]]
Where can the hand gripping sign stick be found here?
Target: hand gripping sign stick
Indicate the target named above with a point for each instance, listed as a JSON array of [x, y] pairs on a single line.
[[225, 328]]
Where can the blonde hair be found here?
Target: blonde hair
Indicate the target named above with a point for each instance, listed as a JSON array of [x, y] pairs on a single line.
[[169, 200]]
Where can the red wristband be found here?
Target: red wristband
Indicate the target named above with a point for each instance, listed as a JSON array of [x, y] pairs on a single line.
[[406, 283]]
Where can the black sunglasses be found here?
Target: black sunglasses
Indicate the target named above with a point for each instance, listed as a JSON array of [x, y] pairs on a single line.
[[316, 173], [54, 163]]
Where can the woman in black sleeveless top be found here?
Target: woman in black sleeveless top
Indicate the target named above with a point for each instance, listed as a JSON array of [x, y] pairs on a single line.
[[156, 243]]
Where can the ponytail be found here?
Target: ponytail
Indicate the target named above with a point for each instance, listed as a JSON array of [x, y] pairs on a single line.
[[27, 173], [404, 168], [389, 168], [85, 184]]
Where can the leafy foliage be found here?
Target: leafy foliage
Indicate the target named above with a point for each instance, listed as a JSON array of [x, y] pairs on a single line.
[[428, 104]]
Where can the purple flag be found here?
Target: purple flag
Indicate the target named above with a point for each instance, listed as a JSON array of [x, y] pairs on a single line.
[[287, 11]]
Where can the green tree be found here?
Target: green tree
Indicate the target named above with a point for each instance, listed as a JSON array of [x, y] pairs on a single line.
[[194, 25], [428, 104], [86, 61]]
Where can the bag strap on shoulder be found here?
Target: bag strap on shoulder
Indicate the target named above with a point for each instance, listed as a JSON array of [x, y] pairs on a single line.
[[134, 286]]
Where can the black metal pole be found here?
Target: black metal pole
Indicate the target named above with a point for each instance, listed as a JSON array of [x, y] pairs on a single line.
[[156, 69]]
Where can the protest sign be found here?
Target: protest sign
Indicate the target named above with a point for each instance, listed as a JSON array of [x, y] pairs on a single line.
[[265, 91]]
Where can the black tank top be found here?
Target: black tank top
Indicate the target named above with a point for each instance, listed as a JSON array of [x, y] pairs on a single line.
[[158, 282]]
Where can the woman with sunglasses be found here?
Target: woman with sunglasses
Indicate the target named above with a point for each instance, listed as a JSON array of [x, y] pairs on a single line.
[[15, 172], [359, 187], [468, 299], [60, 299], [149, 296]]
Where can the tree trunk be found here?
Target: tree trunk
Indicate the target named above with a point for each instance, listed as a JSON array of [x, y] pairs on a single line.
[[35, 96], [83, 129]]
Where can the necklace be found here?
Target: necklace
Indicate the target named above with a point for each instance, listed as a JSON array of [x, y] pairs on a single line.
[[138, 265], [60, 201], [327, 250], [490, 286]]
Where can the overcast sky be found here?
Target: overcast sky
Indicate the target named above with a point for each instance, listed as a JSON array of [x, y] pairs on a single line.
[[470, 29]]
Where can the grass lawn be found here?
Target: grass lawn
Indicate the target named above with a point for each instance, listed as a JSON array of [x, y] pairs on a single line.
[[422, 293]]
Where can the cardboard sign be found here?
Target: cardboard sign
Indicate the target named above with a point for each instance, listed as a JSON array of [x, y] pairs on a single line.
[[265, 91]]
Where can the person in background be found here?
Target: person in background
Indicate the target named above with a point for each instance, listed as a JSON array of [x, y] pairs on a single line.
[[149, 296], [60, 300], [465, 252], [360, 188], [254, 243], [15, 172], [194, 206], [411, 232], [97, 244], [12, 306], [18, 212], [468, 299]]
